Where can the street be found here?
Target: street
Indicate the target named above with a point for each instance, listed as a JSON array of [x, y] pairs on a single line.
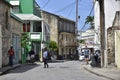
[[68, 70]]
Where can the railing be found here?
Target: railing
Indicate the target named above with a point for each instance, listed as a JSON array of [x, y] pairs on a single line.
[[68, 44]]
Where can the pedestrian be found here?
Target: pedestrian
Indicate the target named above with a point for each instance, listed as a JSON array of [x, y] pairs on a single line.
[[86, 54], [45, 55], [11, 54], [31, 55]]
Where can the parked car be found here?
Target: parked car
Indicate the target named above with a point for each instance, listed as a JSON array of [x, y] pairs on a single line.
[[81, 56]]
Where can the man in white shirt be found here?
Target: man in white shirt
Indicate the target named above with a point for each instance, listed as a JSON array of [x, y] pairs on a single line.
[[45, 54]]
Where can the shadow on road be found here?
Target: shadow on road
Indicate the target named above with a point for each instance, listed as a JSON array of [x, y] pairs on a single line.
[[23, 68]]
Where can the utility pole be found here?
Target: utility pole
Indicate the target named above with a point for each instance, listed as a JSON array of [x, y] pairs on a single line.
[[76, 24], [102, 31]]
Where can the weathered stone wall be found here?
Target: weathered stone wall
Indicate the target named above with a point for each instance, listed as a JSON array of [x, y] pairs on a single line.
[[16, 28], [52, 21], [111, 44], [9, 25], [5, 32]]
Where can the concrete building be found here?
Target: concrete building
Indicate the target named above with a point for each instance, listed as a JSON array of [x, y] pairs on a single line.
[[33, 25], [88, 37], [111, 7], [10, 32], [62, 31]]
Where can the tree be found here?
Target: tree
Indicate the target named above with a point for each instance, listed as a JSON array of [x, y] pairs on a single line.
[[82, 41], [90, 20], [53, 46]]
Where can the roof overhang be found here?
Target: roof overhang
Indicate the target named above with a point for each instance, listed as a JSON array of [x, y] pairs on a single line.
[[28, 17], [15, 3]]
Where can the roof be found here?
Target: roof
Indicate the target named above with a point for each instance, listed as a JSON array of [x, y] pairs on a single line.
[[14, 3], [15, 17], [116, 21], [6, 2], [61, 17], [30, 17]]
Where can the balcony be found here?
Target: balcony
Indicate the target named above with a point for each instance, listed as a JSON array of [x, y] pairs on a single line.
[[67, 44]]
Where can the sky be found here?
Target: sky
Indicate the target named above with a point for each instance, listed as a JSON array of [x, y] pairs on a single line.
[[67, 9]]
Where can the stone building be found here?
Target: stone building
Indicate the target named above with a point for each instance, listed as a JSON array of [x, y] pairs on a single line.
[[10, 33], [62, 31], [111, 12]]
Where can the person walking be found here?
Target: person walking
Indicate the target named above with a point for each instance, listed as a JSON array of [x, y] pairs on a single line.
[[86, 54], [45, 54], [11, 54]]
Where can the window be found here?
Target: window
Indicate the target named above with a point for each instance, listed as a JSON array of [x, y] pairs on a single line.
[[26, 27], [15, 9], [37, 27], [6, 18]]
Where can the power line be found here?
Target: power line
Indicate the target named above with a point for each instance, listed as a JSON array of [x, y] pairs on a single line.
[[65, 7], [88, 15], [45, 4], [70, 11]]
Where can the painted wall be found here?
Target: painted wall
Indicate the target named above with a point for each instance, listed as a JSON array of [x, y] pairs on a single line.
[[117, 48], [97, 23], [26, 6], [111, 6]]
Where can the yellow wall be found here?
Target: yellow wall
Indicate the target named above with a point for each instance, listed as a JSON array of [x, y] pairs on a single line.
[[117, 48]]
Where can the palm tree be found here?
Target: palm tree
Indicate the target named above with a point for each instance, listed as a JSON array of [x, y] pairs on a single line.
[[90, 20]]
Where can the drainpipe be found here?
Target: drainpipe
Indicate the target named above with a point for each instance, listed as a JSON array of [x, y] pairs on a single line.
[[42, 44]]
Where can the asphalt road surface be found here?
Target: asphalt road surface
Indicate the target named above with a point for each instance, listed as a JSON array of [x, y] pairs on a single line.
[[68, 70]]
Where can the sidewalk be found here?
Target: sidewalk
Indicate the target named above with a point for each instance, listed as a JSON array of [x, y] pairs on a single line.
[[110, 73], [8, 68]]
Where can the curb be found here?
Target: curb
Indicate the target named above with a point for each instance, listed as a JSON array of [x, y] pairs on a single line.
[[98, 74], [7, 70]]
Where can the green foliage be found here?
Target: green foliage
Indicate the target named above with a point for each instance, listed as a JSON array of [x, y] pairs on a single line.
[[53, 46], [25, 39], [82, 41], [90, 20]]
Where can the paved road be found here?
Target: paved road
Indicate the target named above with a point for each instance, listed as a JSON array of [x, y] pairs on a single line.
[[68, 70]]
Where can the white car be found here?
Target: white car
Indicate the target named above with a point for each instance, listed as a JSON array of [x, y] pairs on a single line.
[[81, 56]]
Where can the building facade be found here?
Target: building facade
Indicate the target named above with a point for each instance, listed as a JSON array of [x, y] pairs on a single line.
[[88, 38], [110, 10], [33, 26], [10, 31], [67, 38], [62, 31]]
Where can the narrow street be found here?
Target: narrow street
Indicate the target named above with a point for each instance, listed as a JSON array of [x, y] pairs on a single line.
[[68, 70]]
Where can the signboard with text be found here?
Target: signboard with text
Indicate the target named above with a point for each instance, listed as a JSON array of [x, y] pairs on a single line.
[[35, 36]]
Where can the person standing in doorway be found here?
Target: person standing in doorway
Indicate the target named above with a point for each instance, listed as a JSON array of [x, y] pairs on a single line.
[[11, 54], [45, 55], [32, 55], [86, 54]]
